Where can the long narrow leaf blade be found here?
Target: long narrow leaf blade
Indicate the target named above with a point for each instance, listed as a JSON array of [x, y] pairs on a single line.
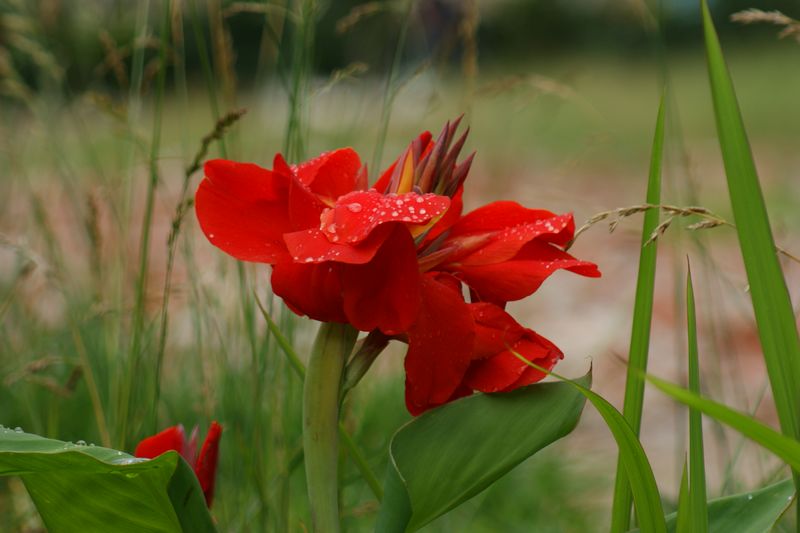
[[697, 473], [646, 499], [640, 329], [682, 515], [784, 447], [773, 309]]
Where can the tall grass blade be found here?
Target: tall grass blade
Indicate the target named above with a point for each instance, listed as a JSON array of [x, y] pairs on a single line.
[[640, 329], [771, 303], [777, 328], [138, 328], [683, 514], [786, 448], [697, 472]]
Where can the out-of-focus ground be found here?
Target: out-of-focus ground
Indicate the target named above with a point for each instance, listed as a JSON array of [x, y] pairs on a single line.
[[566, 134]]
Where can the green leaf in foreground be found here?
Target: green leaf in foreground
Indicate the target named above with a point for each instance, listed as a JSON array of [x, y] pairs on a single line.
[[640, 328], [775, 318], [448, 455], [753, 512], [89, 488]]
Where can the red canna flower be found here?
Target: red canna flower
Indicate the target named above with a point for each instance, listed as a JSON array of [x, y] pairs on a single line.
[[204, 463], [394, 259]]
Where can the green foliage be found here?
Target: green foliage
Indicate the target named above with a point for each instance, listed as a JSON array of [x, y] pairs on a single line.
[[697, 463], [788, 449], [79, 488], [448, 455], [640, 328], [752, 512], [646, 499], [775, 317]]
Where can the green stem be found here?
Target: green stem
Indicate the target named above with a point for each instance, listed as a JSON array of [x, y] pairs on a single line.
[[321, 422]]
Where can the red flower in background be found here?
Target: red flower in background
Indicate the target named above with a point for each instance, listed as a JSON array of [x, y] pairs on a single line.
[[204, 463], [394, 258]]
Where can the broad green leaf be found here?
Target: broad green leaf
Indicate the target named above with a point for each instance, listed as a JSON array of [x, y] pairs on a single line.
[[640, 328], [697, 466], [753, 512], [448, 455], [89, 488], [775, 318], [784, 447]]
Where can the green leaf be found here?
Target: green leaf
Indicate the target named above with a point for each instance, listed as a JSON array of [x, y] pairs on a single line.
[[697, 467], [775, 318], [753, 512], [784, 447], [646, 499], [682, 515], [449, 454], [640, 328], [87, 488]]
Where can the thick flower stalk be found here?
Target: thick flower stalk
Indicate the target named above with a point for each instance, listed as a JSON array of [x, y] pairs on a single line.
[[397, 259]]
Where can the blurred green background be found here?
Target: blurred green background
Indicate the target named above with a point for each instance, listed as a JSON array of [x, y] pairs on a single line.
[[561, 97]]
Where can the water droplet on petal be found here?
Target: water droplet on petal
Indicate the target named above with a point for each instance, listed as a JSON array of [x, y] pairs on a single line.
[[354, 207]]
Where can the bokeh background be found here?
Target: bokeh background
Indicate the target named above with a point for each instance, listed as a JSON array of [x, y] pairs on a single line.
[[561, 97]]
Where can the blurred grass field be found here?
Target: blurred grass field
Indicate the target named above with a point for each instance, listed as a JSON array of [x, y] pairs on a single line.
[[569, 131]]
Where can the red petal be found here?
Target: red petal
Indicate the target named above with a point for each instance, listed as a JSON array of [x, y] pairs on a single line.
[[357, 214], [500, 216], [243, 209], [384, 293], [206, 469], [496, 232], [305, 207], [172, 438], [332, 174], [522, 275], [312, 246], [495, 330], [505, 371], [313, 290], [439, 349]]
